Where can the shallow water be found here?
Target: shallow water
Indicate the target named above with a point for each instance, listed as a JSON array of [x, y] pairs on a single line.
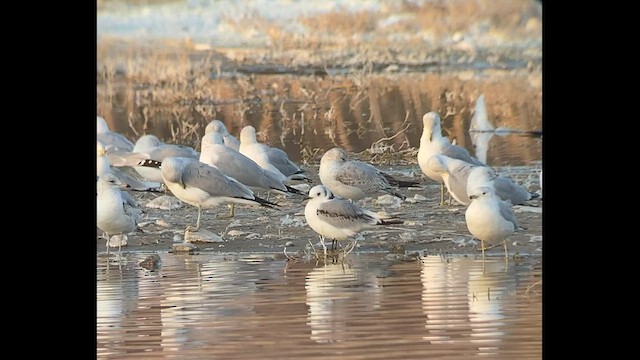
[[255, 306]]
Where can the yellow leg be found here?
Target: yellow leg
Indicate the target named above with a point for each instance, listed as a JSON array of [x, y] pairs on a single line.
[[441, 194]]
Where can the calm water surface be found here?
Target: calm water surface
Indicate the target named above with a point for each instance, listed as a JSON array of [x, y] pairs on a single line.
[[255, 306]]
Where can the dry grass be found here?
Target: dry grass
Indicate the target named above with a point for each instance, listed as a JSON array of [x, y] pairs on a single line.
[[173, 90]]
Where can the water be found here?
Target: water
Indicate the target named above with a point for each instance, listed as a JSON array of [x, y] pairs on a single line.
[[257, 306], [309, 76]]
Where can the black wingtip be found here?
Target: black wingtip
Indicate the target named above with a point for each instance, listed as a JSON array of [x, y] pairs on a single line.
[[150, 163], [392, 221], [397, 194], [400, 183], [295, 191], [266, 203]]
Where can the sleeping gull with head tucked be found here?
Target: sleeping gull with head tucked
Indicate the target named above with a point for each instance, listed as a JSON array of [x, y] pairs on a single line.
[[218, 126], [269, 158], [236, 165], [104, 167], [338, 218], [205, 186], [152, 148], [113, 141], [355, 180]]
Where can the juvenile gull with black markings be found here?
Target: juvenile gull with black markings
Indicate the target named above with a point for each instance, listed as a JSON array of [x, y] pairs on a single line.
[[355, 180], [337, 218]]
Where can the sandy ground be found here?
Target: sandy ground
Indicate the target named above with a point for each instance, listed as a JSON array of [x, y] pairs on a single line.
[[427, 229]]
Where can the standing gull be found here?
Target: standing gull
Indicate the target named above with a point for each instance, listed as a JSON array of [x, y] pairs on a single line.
[[204, 186], [218, 127], [355, 180], [151, 147], [236, 165], [433, 143], [115, 215], [338, 218], [489, 218]]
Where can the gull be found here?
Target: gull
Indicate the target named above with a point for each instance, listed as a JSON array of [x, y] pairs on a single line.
[[460, 178], [219, 127], [236, 165], [103, 164], [454, 174], [205, 186], [503, 187], [355, 180], [280, 160], [272, 159], [433, 143], [481, 130], [338, 218], [116, 214], [113, 141], [489, 218], [152, 148]]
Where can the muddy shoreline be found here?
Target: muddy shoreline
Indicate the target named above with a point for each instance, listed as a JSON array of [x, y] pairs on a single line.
[[428, 228]]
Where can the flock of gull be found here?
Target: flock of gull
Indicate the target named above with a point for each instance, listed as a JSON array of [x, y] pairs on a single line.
[[231, 171]]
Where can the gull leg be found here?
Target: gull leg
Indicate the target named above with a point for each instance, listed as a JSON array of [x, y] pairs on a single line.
[[197, 222], [506, 254], [441, 194], [120, 252], [232, 211], [324, 247], [107, 235]]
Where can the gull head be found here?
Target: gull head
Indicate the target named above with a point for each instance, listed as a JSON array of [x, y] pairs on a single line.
[[248, 135], [320, 191], [212, 138], [335, 154], [431, 124], [481, 192], [216, 126], [146, 142], [108, 180]]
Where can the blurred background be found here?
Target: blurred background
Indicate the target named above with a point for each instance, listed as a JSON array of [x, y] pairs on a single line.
[[311, 75]]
